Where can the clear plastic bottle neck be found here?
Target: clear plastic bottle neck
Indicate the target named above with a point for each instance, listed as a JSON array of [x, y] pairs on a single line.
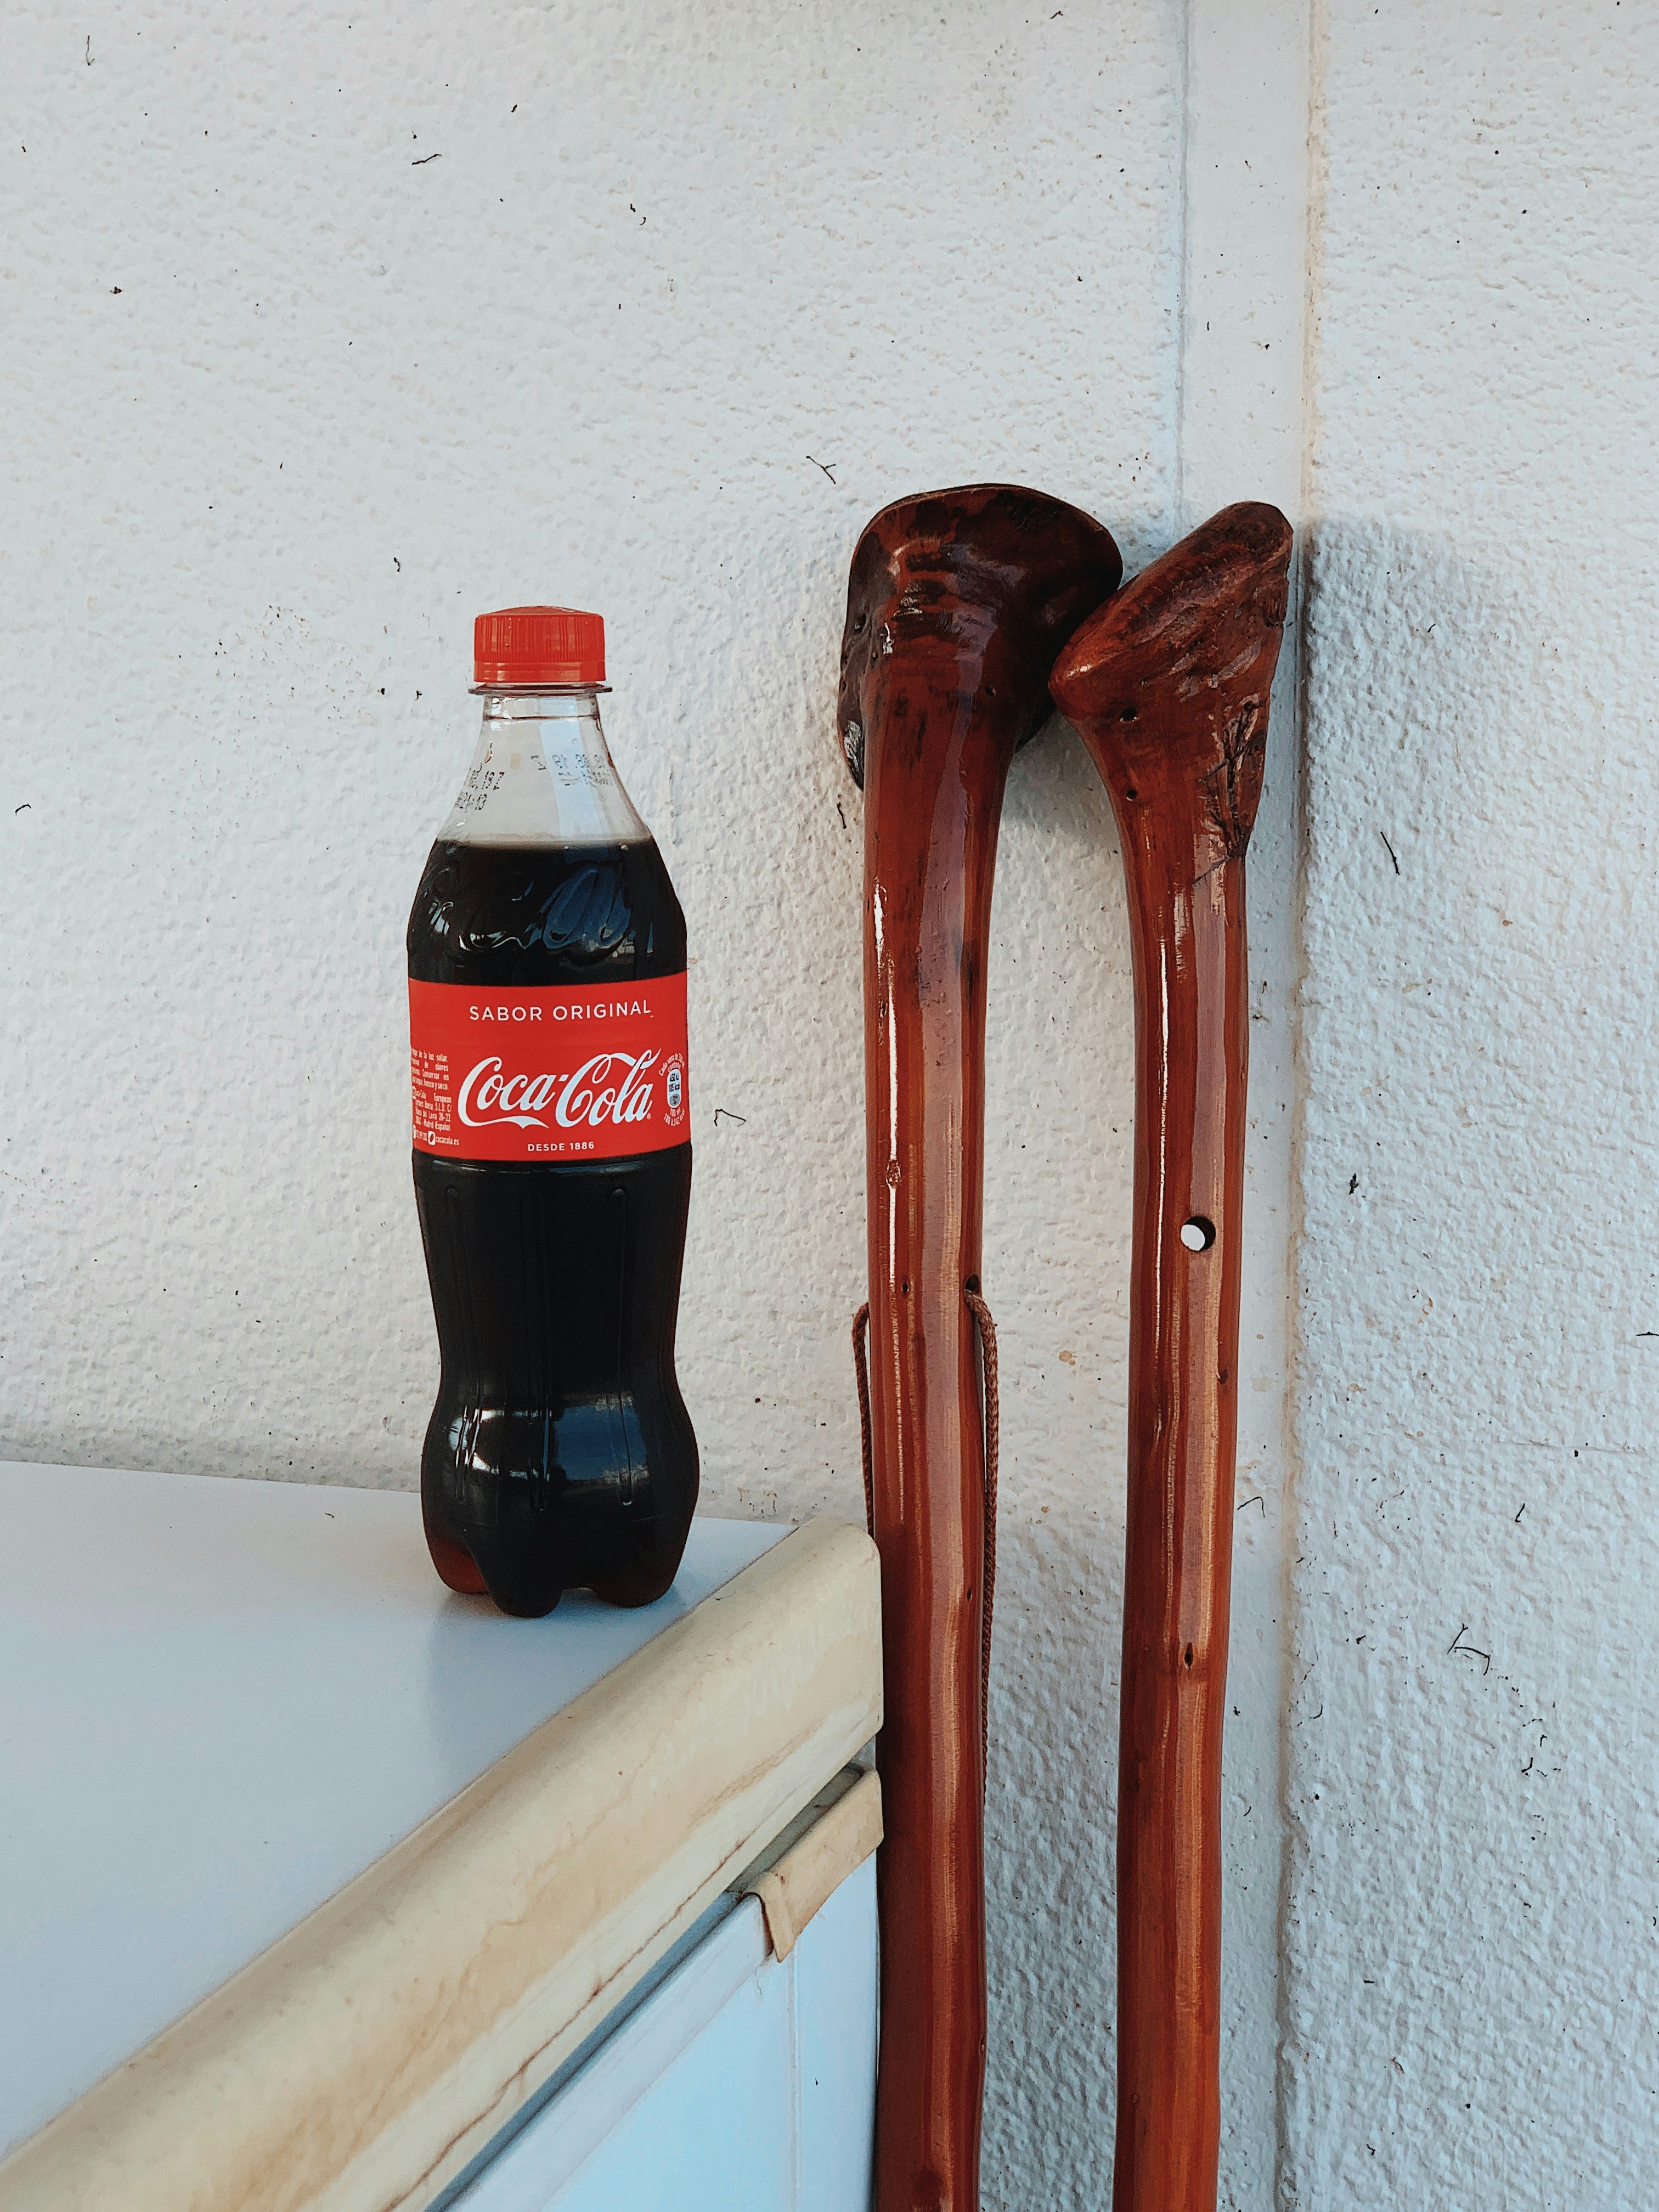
[[542, 775]]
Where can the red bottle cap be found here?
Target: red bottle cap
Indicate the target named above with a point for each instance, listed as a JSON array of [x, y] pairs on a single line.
[[538, 645]]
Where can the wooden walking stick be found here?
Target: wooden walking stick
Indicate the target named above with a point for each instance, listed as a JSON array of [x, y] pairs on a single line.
[[956, 605], [1168, 685]]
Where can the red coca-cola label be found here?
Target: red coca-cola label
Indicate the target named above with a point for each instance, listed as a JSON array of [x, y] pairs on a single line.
[[591, 1072]]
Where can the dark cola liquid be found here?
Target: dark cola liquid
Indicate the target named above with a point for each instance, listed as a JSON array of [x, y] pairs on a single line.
[[560, 1454]]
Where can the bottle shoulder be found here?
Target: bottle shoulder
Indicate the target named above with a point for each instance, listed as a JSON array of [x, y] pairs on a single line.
[[520, 915], [543, 774]]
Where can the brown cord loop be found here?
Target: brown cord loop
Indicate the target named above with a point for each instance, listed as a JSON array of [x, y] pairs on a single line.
[[987, 1351], [987, 1348], [861, 1369]]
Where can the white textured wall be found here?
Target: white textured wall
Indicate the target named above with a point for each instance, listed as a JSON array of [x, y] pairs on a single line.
[[284, 409], [288, 401], [1472, 1946]]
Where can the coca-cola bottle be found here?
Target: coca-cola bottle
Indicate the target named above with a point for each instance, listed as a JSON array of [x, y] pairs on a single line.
[[552, 1147]]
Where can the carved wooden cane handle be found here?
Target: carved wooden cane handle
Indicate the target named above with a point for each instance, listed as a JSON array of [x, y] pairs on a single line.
[[956, 605], [1168, 685]]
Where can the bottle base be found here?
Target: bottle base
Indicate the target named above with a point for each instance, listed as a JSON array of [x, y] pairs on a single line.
[[513, 1585]]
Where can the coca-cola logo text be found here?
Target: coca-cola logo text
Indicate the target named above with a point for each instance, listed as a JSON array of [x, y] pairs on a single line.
[[610, 1087]]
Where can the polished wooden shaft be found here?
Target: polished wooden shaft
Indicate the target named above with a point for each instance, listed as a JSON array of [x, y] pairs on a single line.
[[1168, 685], [956, 605]]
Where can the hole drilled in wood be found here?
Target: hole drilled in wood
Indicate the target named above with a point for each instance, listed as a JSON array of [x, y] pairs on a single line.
[[1198, 1234]]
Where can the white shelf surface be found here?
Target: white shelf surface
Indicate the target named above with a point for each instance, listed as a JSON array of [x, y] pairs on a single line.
[[219, 1701]]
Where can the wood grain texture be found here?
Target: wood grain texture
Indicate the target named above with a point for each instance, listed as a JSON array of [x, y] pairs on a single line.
[[364, 2060], [957, 604], [1168, 685]]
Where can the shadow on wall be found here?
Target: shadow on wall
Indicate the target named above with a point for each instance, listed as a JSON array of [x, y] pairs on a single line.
[[1468, 1786], [1481, 913], [1058, 1219], [1050, 1841]]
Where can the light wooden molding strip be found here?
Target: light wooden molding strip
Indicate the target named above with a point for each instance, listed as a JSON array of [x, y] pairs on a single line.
[[822, 1845], [364, 2060]]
